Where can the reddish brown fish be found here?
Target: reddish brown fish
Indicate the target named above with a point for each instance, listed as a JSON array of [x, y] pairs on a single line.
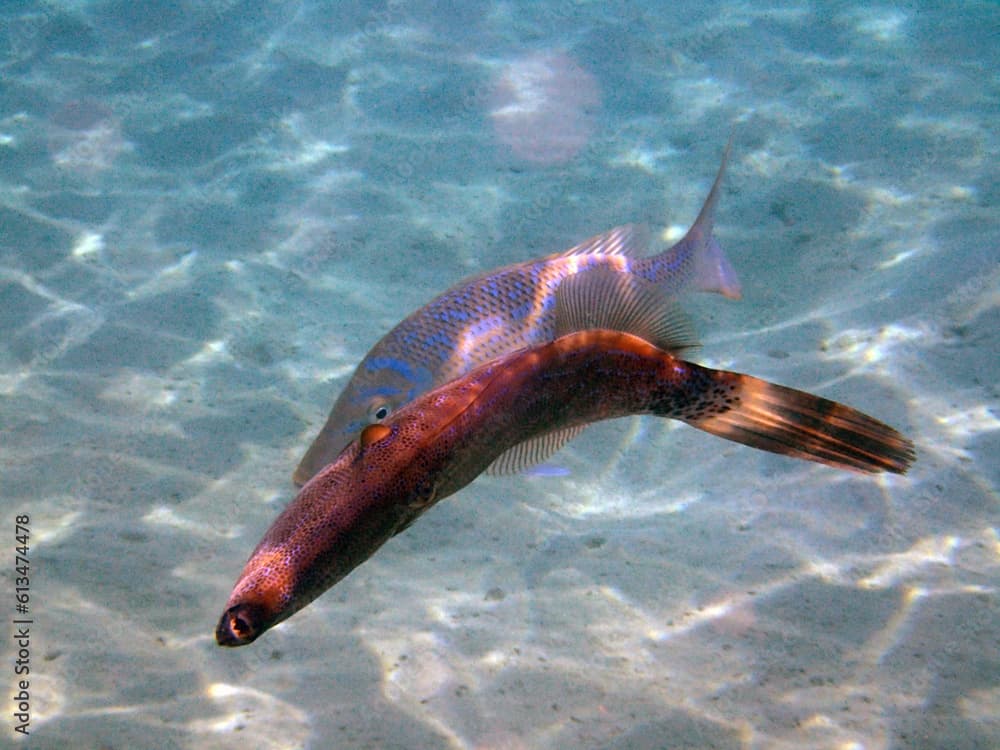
[[443, 440]]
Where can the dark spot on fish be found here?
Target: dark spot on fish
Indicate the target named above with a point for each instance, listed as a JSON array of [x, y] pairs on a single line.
[[596, 541], [778, 354], [495, 594]]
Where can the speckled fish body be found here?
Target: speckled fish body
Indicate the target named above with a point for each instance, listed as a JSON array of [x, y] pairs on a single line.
[[438, 443], [504, 310]]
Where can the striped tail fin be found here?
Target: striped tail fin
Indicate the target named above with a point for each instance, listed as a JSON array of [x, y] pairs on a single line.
[[783, 420]]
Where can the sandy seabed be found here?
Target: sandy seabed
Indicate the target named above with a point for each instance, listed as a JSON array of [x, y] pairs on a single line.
[[208, 214]]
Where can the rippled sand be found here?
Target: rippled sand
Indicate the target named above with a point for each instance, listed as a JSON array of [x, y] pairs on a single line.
[[209, 213]]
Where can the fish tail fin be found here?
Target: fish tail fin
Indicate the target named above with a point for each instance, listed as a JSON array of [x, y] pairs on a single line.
[[794, 423], [711, 269], [714, 272]]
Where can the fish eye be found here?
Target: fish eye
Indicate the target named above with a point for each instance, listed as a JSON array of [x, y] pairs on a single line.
[[378, 412]]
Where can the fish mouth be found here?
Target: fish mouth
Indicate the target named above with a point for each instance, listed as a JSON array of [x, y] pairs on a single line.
[[240, 624]]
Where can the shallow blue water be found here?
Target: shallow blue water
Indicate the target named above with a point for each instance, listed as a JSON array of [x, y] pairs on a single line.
[[209, 213]]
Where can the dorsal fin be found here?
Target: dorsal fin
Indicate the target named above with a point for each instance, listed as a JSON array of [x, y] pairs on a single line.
[[602, 297], [532, 452], [628, 239]]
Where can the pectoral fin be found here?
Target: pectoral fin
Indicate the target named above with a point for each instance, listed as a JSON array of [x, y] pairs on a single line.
[[602, 297]]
